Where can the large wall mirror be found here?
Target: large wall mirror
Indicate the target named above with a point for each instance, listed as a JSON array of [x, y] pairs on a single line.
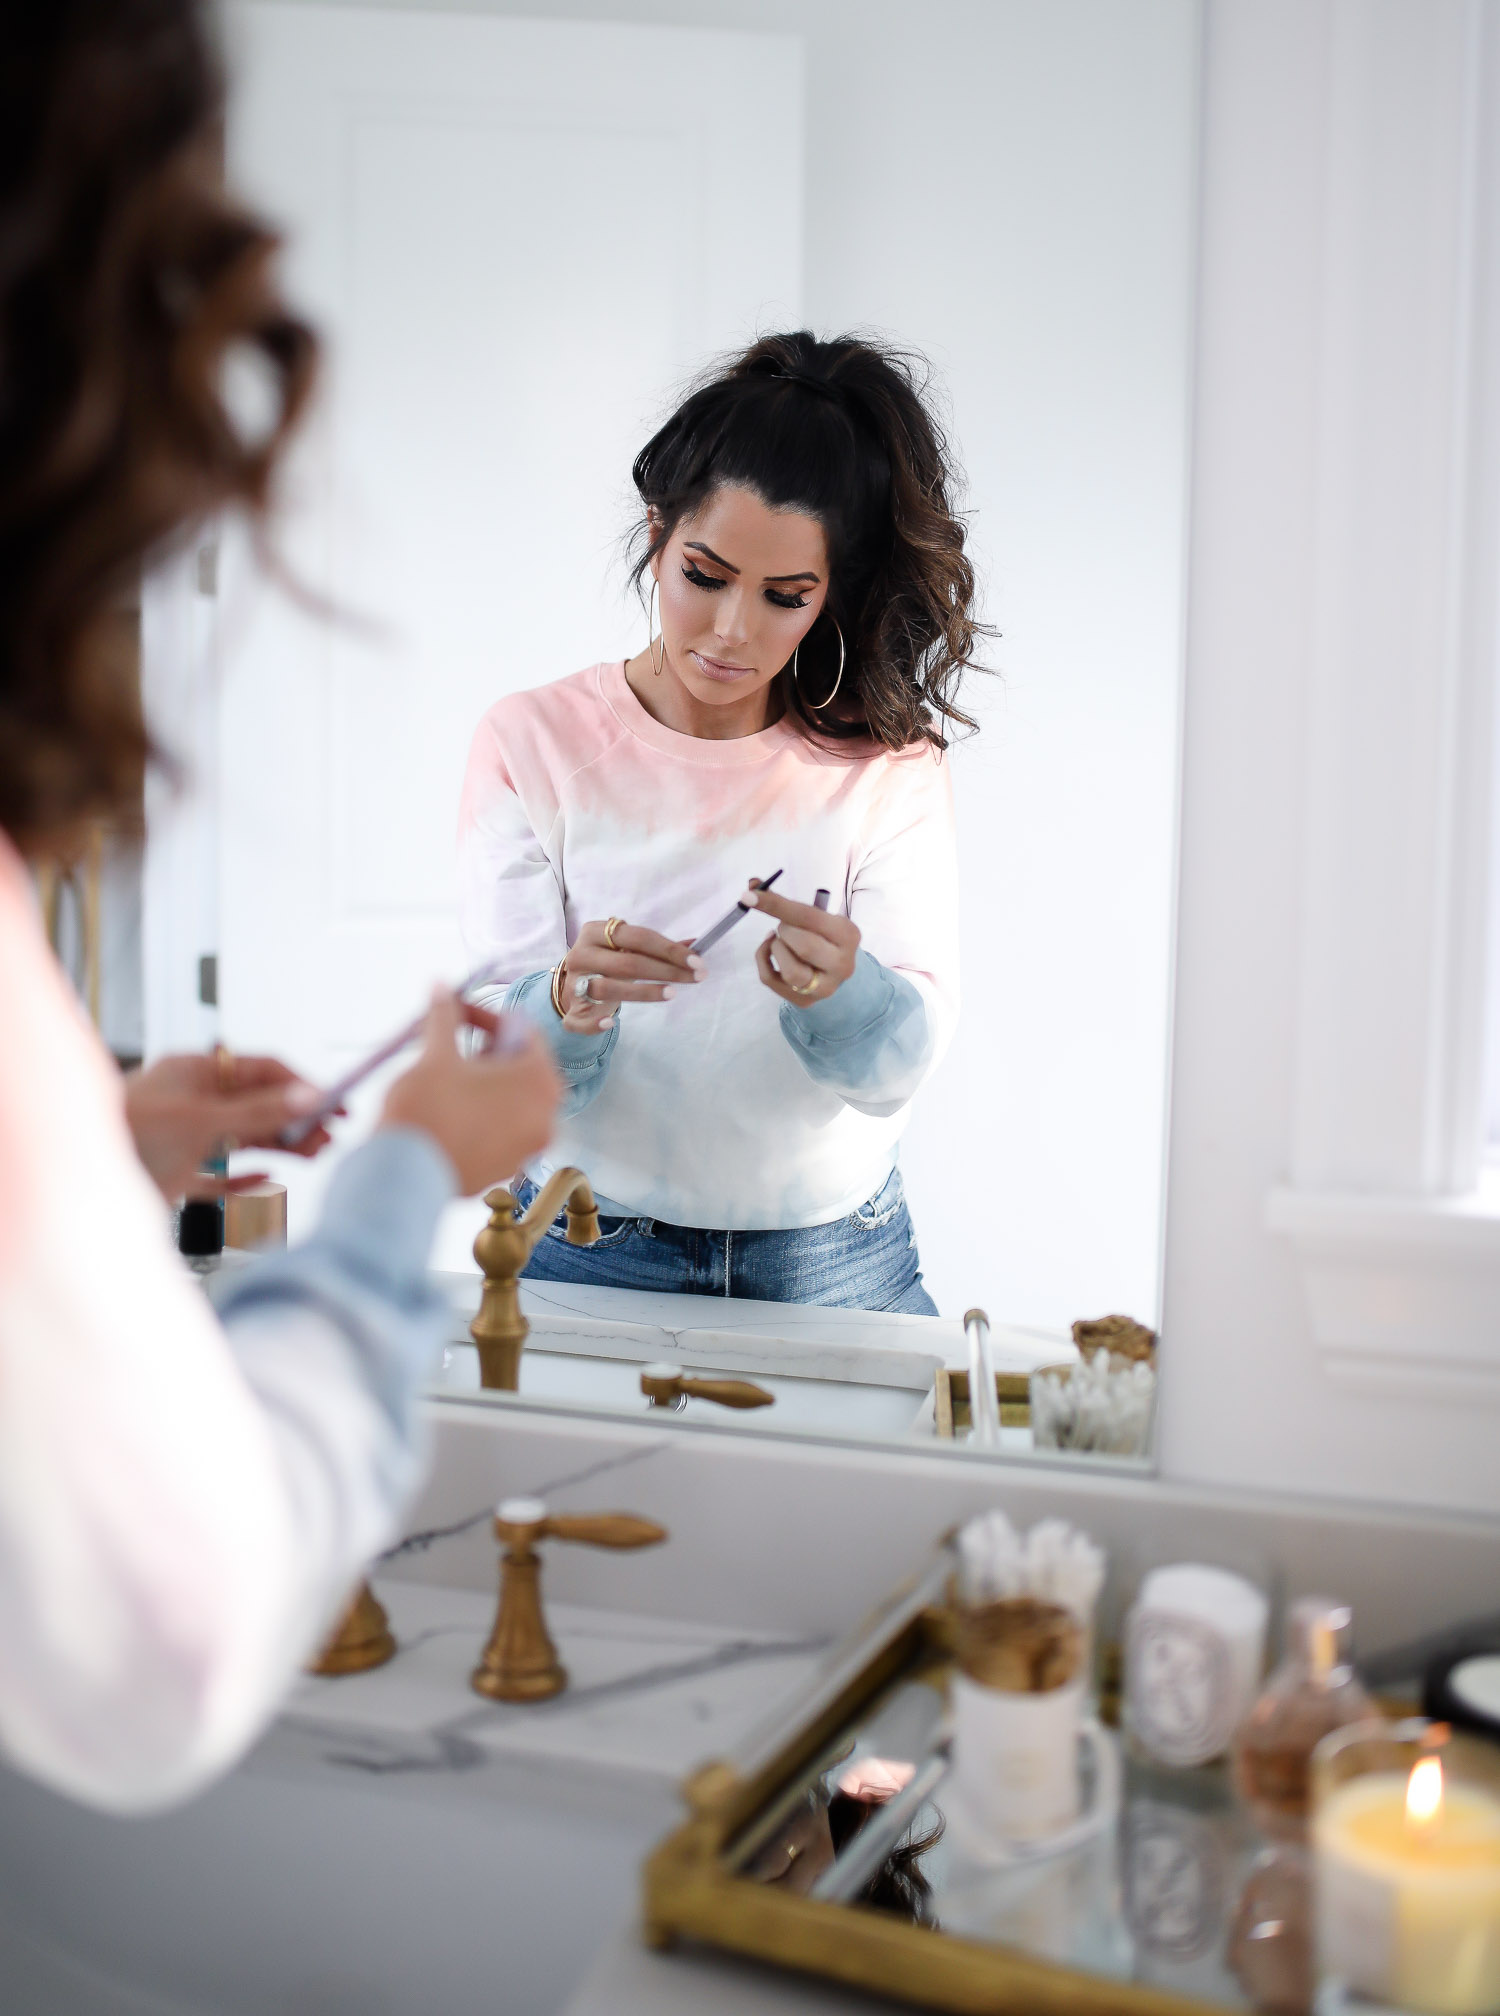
[[523, 229]]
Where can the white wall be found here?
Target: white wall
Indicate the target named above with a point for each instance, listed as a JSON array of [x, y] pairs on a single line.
[[1342, 553], [1008, 185]]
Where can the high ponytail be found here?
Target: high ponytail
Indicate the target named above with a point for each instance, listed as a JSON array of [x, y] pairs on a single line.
[[843, 432]]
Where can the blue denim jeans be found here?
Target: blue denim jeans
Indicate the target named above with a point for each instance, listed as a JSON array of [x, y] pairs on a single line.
[[867, 1260]]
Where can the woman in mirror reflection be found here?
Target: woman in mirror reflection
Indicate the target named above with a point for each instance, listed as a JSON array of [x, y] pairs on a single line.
[[739, 1111]]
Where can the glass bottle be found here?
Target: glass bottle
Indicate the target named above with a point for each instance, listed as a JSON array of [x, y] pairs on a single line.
[[200, 1234], [1313, 1691]]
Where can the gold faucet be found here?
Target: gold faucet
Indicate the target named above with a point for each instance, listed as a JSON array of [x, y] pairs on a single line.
[[520, 1662], [502, 1250], [670, 1386], [362, 1638]]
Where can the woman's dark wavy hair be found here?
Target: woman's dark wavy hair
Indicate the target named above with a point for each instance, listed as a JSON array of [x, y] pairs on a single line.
[[900, 1885], [843, 431], [126, 280]]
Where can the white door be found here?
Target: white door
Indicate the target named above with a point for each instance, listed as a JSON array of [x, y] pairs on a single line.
[[518, 239]]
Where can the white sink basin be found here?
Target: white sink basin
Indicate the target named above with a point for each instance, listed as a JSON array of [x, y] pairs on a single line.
[[851, 1372], [609, 1375], [831, 1371]]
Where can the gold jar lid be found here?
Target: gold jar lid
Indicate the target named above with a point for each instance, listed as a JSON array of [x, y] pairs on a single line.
[[256, 1217], [1019, 1644]]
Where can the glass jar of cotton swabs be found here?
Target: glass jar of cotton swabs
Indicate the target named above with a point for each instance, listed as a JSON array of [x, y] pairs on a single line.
[[1032, 1771]]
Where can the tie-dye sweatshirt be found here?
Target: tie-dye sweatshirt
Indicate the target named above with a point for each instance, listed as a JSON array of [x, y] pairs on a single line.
[[722, 1108], [183, 1499]]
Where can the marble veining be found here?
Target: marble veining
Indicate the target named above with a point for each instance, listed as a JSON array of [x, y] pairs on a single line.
[[547, 1491], [652, 1697]]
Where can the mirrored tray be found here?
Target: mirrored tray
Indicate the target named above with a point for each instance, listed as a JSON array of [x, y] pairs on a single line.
[[829, 1844]]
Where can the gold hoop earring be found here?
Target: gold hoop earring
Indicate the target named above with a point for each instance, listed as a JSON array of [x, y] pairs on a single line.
[[797, 682], [650, 627]]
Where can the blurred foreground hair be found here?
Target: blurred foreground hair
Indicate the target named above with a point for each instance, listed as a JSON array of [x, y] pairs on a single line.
[[128, 283]]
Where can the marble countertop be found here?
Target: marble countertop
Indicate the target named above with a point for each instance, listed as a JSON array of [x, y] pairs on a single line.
[[395, 1842], [649, 1697]]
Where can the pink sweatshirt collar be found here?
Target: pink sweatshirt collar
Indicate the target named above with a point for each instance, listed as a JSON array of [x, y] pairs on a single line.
[[614, 690]]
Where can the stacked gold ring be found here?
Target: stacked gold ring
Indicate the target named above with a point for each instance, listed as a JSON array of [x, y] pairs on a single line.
[[609, 933]]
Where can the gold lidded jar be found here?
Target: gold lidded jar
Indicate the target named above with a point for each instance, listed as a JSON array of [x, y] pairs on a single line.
[[1017, 1701]]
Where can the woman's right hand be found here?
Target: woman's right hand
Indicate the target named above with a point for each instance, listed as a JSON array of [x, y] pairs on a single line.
[[488, 1113], [643, 966]]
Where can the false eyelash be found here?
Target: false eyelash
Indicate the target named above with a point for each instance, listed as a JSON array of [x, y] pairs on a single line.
[[711, 582]]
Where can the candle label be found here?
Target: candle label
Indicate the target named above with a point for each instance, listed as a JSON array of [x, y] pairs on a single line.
[[1179, 1686], [1356, 1921]]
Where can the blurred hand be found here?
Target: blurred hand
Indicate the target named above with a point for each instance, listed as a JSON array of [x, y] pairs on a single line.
[[182, 1109], [644, 966], [811, 952], [489, 1113]]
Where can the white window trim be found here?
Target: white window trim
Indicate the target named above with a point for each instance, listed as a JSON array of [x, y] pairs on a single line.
[[1389, 1207], [1403, 1292]]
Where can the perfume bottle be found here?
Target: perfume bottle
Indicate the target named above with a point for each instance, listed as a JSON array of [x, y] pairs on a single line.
[[1312, 1692]]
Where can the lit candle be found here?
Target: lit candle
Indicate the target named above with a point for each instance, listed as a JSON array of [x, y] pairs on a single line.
[[1408, 1890]]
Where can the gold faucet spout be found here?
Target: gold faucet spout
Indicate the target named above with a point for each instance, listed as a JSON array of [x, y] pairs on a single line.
[[502, 1250]]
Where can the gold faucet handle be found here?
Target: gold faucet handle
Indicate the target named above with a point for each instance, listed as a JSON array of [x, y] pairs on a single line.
[[522, 1522], [665, 1384], [520, 1662], [604, 1529]]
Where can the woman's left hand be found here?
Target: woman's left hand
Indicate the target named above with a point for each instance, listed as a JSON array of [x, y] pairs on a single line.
[[811, 952], [180, 1110]]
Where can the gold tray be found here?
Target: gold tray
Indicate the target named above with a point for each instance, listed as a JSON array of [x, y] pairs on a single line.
[[950, 1400], [719, 1881]]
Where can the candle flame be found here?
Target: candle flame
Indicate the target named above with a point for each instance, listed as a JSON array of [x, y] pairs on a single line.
[[1424, 1792]]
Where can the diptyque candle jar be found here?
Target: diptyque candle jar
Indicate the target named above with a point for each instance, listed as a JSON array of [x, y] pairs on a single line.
[[1406, 1867]]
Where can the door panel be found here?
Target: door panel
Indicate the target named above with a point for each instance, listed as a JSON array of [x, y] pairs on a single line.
[[514, 272]]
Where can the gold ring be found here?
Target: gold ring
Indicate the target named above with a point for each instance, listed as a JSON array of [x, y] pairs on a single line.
[[224, 1069], [609, 933], [811, 987]]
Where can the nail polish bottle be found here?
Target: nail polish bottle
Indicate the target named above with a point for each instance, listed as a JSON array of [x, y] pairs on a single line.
[[200, 1234]]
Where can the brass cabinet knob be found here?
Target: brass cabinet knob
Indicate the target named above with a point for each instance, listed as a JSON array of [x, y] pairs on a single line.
[[670, 1386], [520, 1662]]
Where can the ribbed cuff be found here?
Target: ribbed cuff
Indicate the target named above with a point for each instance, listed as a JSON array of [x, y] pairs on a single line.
[[576, 1053], [863, 1001]]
